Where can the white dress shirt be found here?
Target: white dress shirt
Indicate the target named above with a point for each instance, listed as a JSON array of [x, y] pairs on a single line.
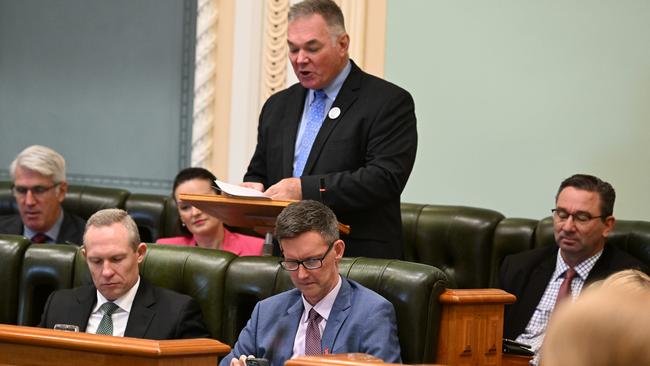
[[323, 307], [120, 316]]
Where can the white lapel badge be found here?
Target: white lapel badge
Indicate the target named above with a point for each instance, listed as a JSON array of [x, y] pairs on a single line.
[[334, 113]]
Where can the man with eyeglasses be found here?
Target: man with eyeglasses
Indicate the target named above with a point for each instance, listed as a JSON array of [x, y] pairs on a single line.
[[39, 187], [325, 313], [541, 278]]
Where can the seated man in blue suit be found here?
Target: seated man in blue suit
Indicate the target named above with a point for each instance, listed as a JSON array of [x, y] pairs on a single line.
[[325, 313]]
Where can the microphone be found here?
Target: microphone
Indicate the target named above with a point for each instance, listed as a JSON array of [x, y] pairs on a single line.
[[267, 248]]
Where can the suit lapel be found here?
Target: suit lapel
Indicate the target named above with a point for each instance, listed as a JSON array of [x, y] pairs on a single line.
[[292, 115], [340, 312], [68, 230], [539, 279], [141, 312], [286, 327], [603, 266], [86, 297], [348, 94]]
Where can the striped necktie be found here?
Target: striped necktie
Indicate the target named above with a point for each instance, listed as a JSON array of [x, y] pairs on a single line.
[[40, 238], [312, 335]]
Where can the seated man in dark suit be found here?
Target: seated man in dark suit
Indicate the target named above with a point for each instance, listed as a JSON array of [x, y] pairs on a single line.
[[38, 173], [540, 278], [121, 303], [325, 313]]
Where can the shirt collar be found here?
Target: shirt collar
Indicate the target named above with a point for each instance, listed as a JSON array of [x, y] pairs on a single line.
[[332, 90], [125, 302], [324, 306], [53, 233], [582, 269]]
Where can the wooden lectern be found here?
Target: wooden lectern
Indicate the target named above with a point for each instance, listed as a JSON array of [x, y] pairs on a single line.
[[37, 346], [256, 214]]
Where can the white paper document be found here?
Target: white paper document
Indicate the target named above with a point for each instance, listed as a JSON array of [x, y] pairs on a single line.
[[233, 190]]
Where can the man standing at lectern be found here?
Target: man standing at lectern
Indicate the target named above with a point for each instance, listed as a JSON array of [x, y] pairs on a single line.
[[339, 136]]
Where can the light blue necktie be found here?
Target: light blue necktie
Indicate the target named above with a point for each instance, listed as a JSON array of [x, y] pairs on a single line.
[[315, 117]]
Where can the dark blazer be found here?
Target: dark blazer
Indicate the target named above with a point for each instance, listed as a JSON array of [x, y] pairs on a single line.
[[156, 313], [364, 157], [360, 321], [527, 274], [72, 228]]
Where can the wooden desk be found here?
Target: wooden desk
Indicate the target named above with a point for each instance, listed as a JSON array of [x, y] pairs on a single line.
[[36, 346], [516, 360], [344, 359], [471, 329]]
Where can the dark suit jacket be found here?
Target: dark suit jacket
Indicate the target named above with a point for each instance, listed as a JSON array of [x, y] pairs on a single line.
[[364, 157], [360, 321], [156, 313], [72, 228], [527, 274]]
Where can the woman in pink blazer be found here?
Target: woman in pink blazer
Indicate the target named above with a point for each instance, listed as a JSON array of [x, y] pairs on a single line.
[[201, 229]]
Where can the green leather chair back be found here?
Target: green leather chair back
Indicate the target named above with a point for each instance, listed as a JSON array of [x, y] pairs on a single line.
[[84, 201], [197, 272], [7, 201], [149, 212], [456, 239], [12, 250], [512, 235], [171, 219], [46, 268]]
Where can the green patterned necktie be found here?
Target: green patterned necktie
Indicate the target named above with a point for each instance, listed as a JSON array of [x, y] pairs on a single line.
[[106, 325]]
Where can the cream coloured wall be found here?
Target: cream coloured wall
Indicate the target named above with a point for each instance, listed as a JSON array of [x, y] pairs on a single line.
[[513, 96]]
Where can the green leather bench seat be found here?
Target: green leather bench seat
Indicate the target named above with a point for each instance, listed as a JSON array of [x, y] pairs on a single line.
[[227, 287], [467, 243]]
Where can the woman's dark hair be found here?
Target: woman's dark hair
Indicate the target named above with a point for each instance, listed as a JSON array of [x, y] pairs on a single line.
[[190, 174]]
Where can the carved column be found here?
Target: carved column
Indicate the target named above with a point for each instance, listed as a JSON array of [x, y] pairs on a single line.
[[204, 86], [274, 59]]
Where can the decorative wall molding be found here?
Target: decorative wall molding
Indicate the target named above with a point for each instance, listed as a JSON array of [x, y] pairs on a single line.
[[107, 180], [123, 182], [274, 59], [204, 85]]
